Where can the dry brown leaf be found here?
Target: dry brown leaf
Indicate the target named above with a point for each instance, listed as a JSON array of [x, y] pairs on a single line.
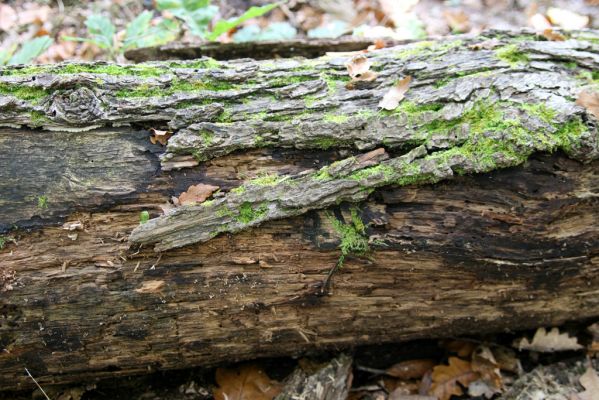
[[547, 342], [458, 20], [590, 381], [567, 19], [483, 362], [448, 380], [196, 194], [378, 44], [410, 369], [8, 17], [539, 22], [161, 137], [462, 348], [485, 45], [248, 382], [34, 14], [396, 94], [358, 68], [507, 360], [590, 101], [593, 347], [553, 36]]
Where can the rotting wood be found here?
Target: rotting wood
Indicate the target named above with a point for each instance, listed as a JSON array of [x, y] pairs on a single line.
[[507, 249]]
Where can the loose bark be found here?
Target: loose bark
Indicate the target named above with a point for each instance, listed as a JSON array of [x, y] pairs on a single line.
[[464, 219]]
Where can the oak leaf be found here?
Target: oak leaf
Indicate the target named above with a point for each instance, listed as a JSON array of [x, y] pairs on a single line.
[[196, 194], [448, 380], [248, 382], [590, 101], [161, 137], [490, 382], [396, 94], [547, 342]]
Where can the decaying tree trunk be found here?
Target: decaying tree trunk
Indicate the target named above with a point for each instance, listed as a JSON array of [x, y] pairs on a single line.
[[472, 207]]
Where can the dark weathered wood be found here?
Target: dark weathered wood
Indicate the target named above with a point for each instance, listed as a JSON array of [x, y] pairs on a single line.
[[472, 223], [309, 48]]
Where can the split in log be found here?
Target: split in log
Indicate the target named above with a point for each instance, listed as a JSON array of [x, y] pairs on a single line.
[[466, 221]]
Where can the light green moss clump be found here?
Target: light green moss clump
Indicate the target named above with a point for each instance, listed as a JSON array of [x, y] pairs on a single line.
[[336, 118], [42, 202], [23, 92], [249, 213], [207, 136], [352, 234], [512, 55]]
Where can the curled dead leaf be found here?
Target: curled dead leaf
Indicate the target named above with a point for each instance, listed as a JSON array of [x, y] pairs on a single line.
[[195, 194], [396, 94], [547, 342], [448, 380], [553, 36], [248, 382], [161, 137], [358, 69], [539, 22], [485, 45], [567, 19], [483, 362], [590, 381], [590, 101], [410, 369], [457, 20]]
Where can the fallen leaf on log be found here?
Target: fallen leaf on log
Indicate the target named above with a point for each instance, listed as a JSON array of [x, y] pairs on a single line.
[[590, 101], [448, 380], [248, 382], [553, 36], [161, 137], [396, 94], [358, 69], [485, 45], [547, 342], [196, 194], [590, 381]]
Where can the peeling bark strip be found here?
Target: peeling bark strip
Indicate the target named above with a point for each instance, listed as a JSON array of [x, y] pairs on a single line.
[[511, 248]]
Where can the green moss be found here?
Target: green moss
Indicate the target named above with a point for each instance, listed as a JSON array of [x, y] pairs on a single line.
[[512, 55], [541, 111], [207, 136], [238, 189], [336, 118], [42, 202], [249, 213], [225, 116], [326, 143], [38, 118], [368, 173], [290, 80], [23, 92], [352, 234], [266, 180], [177, 85]]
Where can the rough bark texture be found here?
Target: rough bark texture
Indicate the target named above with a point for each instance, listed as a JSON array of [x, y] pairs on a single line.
[[465, 221]]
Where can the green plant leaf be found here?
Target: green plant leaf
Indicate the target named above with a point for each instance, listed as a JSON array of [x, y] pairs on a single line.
[[331, 30], [136, 30], [224, 25], [274, 31], [6, 54], [30, 50], [102, 31], [144, 217]]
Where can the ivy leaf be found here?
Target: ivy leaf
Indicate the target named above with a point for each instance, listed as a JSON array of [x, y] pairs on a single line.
[[30, 50], [245, 383], [102, 30], [396, 94], [225, 25]]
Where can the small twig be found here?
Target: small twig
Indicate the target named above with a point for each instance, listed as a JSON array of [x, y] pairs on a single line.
[[327, 282], [38, 385]]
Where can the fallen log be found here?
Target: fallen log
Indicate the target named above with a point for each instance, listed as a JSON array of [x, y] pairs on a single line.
[[472, 207]]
